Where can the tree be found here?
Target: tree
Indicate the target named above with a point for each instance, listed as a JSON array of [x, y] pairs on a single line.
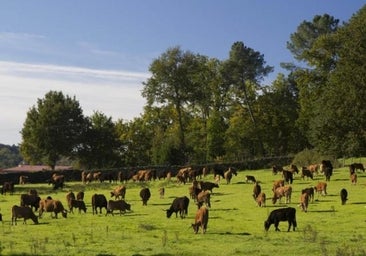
[[101, 147], [243, 71], [52, 129], [172, 83]]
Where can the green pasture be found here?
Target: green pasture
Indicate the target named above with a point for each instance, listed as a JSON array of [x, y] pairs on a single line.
[[235, 226]]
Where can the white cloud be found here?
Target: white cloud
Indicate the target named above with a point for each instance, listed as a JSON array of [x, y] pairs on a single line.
[[114, 93]]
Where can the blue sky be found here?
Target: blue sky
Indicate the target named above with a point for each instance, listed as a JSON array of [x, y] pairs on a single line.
[[100, 51]]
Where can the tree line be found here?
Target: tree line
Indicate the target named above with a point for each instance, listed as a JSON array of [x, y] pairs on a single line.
[[201, 109]]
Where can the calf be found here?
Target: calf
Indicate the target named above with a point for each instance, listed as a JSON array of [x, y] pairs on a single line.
[[250, 178], [305, 172], [22, 212], [321, 188], [99, 201], [344, 195], [145, 195], [283, 214], [280, 192], [119, 191], [261, 199], [119, 205], [179, 204], [201, 220], [79, 204], [304, 201]]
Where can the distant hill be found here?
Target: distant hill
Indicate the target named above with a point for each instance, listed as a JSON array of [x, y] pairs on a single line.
[[9, 156]]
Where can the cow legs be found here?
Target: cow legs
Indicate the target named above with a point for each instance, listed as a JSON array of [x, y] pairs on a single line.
[[276, 225]]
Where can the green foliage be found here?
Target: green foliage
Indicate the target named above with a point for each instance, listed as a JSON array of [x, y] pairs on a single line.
[[9, 156]]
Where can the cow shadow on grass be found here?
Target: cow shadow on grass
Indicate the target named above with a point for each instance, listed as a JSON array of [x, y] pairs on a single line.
[[357, 203], [231, 233]]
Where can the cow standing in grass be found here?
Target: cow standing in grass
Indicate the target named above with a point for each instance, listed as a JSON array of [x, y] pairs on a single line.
[[283, 214], [344, 195], [201, 220], [24, 212]]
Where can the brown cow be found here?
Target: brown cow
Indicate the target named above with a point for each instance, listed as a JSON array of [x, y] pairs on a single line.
[[261, 199], [80, 195], [304, 201], [79, 204], [23, 179], [120, 205], [305, 172], [162, 192], [313, 168], [30, 200], [70, 196], [358, 166], [280, 192], [22, 212], [8, 186], [53, 206], [204, 198], [256, 190], [353, 178], [321, 188], [201, 220], [229, 174], [57, 181], [310, 192], [119, 191], [277, 184]]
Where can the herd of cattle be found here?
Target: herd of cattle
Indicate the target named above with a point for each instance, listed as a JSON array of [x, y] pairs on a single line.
[[200, 192]]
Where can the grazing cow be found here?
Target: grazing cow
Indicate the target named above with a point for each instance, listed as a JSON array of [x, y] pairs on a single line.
[[201, 220], [321, 188], [229, 174], [30, 200], [219, 172], [326, 167], [23, 179], [305, 172], [261, 199], [277, 184], [276, 169], [310, 192], [22, 212], [280, 192], [304, 201], [80, 195], [70, 196], [162, 192], [119, 191], [204, 198], [206, 185], [194, 191], [8, 186], [145, 195], [250, 178], [53, 206], [99, 201], [79, 204], [256, 190], [288, 176], [119, 205], [344, 195], [183, 175], [353, 178], [179, 204], [358, 166], [284, 214]]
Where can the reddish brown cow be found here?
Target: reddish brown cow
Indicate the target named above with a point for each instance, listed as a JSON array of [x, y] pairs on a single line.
[[277, 184], [119, 205], [119, 191], [201, 220], [280, 192], [53, 206], [229, 174], [204, 198], [321, 188], [313, 168], [256, 190], [353, 178], [80, 195], [310, 192], [261, 199], [304, 201]]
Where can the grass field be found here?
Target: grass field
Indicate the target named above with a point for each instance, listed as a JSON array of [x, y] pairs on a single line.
[[235, 226]]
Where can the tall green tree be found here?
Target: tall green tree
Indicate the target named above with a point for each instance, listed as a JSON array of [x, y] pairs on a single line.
[[52, 129], [172, 82], [243, 71]]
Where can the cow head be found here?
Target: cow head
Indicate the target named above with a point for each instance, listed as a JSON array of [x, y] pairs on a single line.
[[195, 227], [267, 224], [169, 213], [64, 213]]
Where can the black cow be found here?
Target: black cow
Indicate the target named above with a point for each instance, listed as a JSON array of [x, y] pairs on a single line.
[[206, 185], [288, 176], [179, 204], [30, 200], [145, 195], [8, 186], [256, 190], [344, 195], [305, 172], [327, 169], [99, 201], [283, 214]]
